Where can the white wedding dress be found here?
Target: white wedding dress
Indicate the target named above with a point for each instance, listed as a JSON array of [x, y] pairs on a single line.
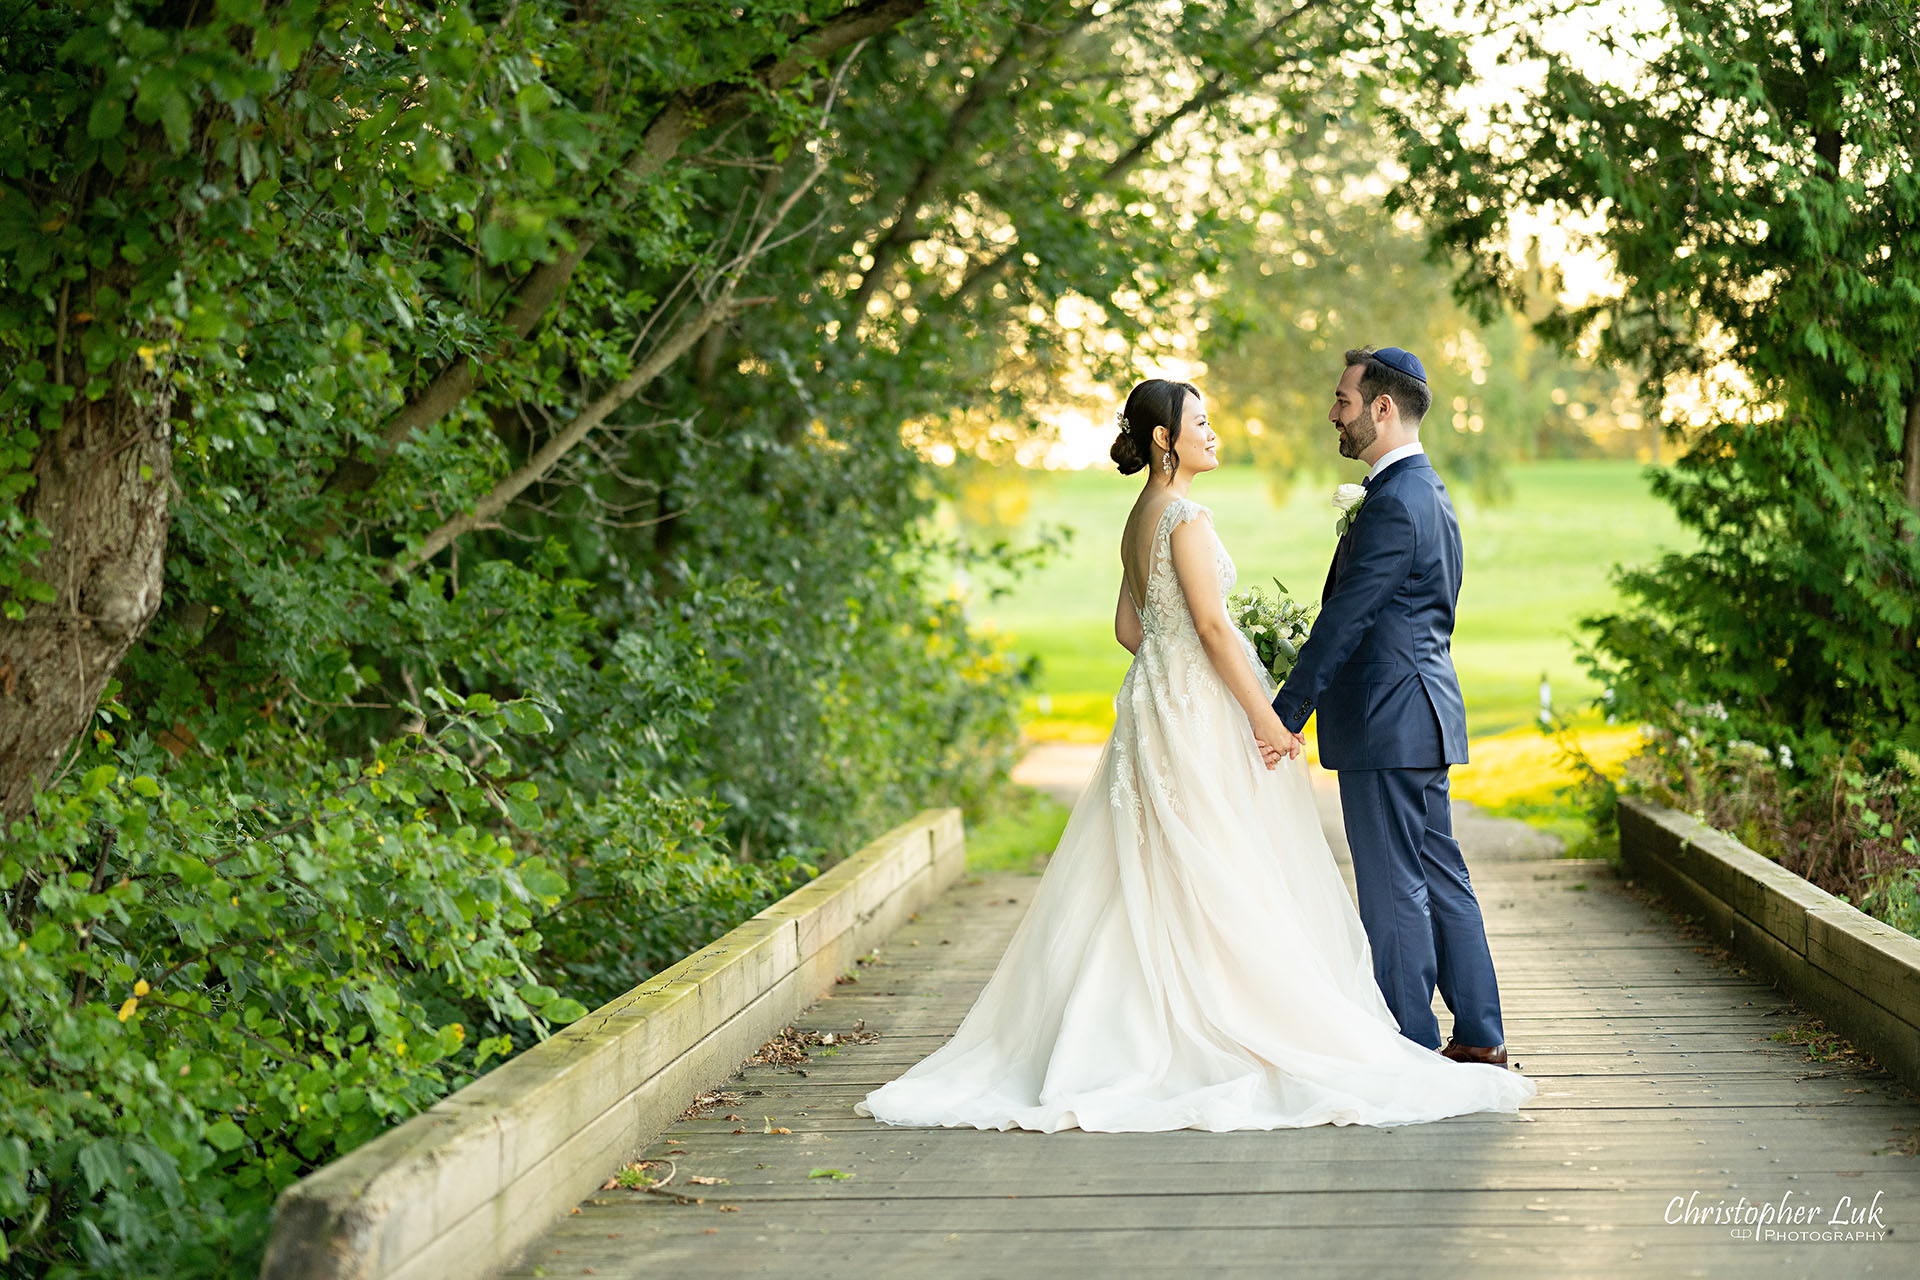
[[1191, 958]]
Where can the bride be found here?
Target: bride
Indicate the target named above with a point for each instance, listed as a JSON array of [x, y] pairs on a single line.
[[1191, 958]]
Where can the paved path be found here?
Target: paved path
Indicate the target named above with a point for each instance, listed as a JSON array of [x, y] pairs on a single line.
[[1660, 1083]]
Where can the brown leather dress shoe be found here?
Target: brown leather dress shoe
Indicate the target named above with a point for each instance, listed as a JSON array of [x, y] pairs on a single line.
[[1494, 1057]]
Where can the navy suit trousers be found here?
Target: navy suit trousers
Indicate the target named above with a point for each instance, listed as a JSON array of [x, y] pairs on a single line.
[[1418, 906]]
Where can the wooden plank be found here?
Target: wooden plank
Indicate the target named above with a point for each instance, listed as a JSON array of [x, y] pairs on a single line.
[[1657, 1078]]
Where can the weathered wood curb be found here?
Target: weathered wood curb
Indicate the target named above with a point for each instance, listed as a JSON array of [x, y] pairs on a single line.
[[1858, 975], [461, 1188]]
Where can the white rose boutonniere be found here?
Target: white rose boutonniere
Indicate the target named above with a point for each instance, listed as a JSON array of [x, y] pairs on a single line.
[[1347, 500]]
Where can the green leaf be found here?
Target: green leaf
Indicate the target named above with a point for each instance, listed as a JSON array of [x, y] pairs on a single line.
[[563, 1011], [536, 164], [542, 880], [225, 1135], [527, 717], [176, 116], [107, 116], [835, 1174]]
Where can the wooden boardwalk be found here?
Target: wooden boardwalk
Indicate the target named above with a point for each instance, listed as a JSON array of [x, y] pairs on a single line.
[[1660, 1083]]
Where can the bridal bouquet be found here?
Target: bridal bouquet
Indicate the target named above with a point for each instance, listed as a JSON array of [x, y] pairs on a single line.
[[1276, 627]]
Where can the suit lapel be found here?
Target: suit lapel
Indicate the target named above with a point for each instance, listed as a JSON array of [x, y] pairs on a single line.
[[1412, 462]]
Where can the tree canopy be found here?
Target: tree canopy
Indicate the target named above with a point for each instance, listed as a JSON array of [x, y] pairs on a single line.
[[1749, 172], [462, 549]]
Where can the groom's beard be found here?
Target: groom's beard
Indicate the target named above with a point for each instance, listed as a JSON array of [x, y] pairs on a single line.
[[1357, 437]]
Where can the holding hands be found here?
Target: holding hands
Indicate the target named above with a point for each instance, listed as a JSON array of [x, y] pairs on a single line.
[[1276, 741]]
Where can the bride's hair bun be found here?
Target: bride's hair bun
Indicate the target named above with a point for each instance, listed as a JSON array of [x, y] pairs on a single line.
[[1153, 403]]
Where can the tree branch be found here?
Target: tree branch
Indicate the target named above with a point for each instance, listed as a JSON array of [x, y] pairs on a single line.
[[905, 228], [1913, 449], [658, 361], [684, 115], [1213, 89]]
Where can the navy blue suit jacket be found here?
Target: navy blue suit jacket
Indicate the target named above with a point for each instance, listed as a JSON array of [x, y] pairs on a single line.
[[1378, 664]]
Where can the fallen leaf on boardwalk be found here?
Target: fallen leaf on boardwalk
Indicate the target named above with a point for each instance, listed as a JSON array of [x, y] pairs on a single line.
[[711, 1231], [706, 1181], [742, 1130], [711, 1102], [772, 1128], [735, 1119], [729, 1208], [835, 1174], [677, 1151], [576, 1208]]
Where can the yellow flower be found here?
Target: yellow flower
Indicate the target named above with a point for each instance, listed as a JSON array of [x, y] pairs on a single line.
[[126, 1010], [141, 988], [377, 768]]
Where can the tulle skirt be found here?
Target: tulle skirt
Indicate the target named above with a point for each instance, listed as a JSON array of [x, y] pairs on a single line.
[[1190, 959]]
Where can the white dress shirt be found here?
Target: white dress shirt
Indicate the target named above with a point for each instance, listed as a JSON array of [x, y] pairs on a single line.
[[1392, 456]]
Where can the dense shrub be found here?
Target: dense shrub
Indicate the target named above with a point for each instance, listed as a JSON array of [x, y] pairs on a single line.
[[521, 390], [1832, 817], [207, 988]]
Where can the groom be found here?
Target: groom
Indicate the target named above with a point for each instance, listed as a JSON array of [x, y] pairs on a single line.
[[1378, 668]]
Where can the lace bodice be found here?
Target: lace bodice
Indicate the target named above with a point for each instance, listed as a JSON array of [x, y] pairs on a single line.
[[1164, 617]]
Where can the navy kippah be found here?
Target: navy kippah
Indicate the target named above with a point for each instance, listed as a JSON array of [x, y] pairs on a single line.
[[1403, 360]]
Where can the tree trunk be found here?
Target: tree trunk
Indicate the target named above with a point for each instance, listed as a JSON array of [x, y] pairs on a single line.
[[101, 484], [1913, 450]]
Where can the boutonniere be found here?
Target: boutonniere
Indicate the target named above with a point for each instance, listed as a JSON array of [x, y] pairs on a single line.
[[1347, 500]]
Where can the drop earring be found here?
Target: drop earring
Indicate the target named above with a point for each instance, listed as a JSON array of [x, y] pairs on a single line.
[[1166, 464]]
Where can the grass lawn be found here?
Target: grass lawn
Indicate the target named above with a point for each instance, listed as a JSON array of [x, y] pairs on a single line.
[[1535, 566]]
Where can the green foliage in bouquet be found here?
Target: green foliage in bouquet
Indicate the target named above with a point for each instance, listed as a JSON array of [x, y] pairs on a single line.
[[1276, 627]]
